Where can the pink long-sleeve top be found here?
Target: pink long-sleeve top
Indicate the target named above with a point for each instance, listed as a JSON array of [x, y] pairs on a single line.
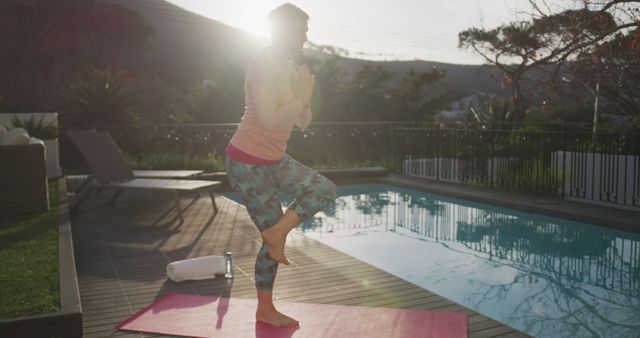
[[271, 110]]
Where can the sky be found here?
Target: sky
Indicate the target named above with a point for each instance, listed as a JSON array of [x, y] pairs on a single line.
[[376, 29]]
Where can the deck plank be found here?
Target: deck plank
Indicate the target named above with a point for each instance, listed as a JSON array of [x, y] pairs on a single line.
[[122, 253]]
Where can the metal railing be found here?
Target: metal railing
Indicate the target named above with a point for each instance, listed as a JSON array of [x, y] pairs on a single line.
[[566, 160], [604, 168]]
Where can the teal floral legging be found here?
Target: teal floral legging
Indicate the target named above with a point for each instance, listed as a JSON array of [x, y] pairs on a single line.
[[259, 186]]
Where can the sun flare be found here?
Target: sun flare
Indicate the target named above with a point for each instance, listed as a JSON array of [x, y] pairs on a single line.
[[254, 19]]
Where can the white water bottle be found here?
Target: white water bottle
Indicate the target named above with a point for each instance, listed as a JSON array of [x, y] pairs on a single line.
[[228, 265]]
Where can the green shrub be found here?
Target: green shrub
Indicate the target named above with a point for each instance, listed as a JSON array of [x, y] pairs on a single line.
[[177, 161], [38, 129]]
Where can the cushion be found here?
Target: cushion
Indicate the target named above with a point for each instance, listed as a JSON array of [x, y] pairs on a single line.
[[16, 136]]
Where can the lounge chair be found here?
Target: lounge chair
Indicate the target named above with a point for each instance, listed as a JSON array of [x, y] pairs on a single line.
[[111, 171]]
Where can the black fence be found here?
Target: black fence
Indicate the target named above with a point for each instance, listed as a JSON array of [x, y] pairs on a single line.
[[322, 145], [574, 164], [561, 160]]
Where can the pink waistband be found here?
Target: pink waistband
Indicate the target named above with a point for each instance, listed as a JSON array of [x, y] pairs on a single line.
[[240, 156]]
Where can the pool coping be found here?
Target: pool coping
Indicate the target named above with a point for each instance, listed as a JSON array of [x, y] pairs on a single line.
[[611, 217]]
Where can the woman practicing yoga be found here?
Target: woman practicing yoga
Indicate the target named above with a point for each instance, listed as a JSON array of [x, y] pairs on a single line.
[[277, 96]]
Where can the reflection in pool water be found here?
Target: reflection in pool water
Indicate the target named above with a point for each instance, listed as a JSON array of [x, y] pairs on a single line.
[[546, 276]]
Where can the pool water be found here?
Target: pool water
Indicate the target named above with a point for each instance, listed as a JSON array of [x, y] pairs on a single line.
[[545, 276]]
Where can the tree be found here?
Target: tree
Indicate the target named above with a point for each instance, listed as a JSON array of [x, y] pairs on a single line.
[[548, 39], [221, 98], [612, 72], [491, 112], [101, 97], [408, 98], [374, 93], [328, 101], [368, 96], [158, 102]]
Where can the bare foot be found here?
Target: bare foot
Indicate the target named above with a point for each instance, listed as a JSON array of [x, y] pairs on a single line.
[[275, 237], [272, 317]]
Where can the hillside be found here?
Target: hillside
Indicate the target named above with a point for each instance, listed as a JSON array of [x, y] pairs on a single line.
[[187, 47], [460, 78]]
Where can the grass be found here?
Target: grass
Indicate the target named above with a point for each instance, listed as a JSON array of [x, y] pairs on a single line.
[[29, 261]]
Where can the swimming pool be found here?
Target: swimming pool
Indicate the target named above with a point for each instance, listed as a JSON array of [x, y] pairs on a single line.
[[545, 276]]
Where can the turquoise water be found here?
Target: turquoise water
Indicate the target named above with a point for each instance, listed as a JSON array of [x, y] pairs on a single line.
[[546, 276]]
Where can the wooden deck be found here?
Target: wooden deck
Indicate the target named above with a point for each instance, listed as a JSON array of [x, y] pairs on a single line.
[[122, 252]]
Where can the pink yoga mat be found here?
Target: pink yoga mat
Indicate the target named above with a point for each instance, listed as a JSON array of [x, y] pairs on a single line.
[[203, 316]]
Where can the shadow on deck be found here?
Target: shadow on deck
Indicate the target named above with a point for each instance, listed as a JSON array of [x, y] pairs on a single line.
[[122, 253]]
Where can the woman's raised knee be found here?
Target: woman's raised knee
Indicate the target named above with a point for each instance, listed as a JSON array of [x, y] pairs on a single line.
[[328, 189]]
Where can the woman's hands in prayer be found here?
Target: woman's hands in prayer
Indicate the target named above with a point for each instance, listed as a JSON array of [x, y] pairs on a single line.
[[303, 84]]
